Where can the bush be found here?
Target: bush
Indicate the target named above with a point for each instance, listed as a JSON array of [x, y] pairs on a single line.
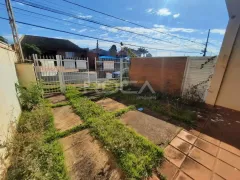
[[31, 96], [135, 154], [38, 120]]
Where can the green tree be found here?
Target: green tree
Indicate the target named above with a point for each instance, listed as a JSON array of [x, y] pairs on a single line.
[[148, 55], [142, 51], [113, 51], [29, 49], [3, 39], [129, 51]]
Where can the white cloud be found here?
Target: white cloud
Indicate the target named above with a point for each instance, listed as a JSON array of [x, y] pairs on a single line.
[[158, 26], [175, 43], [82, 30], [109, 29], [168, 29], [186, 30], [84, 16], [164, 12], [176, 15], [218, 31], [150, 10], [18, 3], [73, 29], [129, 8]]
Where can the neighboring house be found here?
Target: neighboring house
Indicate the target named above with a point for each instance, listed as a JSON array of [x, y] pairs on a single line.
[[100, 52], [54, 46]]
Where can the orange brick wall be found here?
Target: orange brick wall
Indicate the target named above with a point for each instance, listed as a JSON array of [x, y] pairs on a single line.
[[165, 74]]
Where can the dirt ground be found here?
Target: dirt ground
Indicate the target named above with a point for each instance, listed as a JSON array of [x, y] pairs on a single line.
[[222, 124]]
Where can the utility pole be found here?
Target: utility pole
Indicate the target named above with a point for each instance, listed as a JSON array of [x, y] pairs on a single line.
[[17, 44], [97, 48], [205, 49]]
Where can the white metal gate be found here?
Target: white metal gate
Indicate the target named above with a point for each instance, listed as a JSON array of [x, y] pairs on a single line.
[[56, 73], [112, 69]]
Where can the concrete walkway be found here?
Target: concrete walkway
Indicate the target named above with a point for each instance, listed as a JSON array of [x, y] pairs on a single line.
[[156, 130], [110, 104], [193, 155], [85, 158]]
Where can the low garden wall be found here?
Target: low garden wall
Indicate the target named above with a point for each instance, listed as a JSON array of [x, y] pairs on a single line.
[[165, 74]]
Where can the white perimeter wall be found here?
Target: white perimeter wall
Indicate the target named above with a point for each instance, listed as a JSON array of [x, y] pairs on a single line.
[[195, 75], [9, 105]]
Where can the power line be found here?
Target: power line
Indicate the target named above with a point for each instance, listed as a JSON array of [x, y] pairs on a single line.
[[52, 17], [88, 20], [91, 37], [121, 19]]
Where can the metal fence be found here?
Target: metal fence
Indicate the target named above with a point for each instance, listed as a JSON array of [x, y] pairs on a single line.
[[56, 73], [112, 69]]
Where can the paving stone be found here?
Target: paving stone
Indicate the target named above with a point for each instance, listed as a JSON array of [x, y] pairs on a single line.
[[210, 139], [75, 139], [216, 177], [85, 158], [206, 146], [57, 99], [167, 169], [65, 118], [229, 158], [226, 171], [230, 148], [174, 155], [180, 144], [194, 132], [195, 170], [182, 176], [202, 157], [156, 130], [110, 104], [187, 136], [154, 177]]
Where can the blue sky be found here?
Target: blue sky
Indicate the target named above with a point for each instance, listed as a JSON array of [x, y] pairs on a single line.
[[189, 19]]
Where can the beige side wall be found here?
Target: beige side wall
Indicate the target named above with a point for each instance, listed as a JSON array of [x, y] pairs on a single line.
[[26, 74], [229, 94], [225, 85], [9, 105]]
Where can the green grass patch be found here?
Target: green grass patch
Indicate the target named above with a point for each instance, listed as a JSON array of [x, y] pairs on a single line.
[[66, 133], [168, 109], [60, 104], [135, 154], [120, 112], [30, 156]]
